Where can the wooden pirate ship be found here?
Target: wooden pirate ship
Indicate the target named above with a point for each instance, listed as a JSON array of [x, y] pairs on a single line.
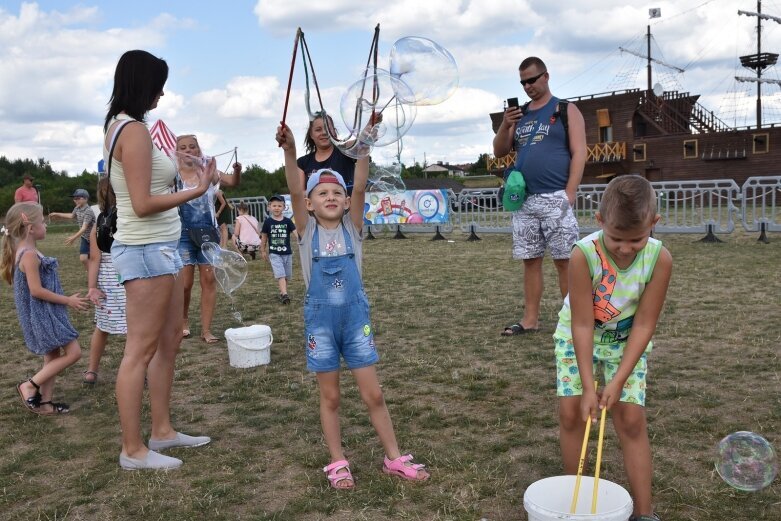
[[669, 136]]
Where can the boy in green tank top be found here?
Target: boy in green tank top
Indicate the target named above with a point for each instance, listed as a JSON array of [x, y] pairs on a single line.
[[618, 279]]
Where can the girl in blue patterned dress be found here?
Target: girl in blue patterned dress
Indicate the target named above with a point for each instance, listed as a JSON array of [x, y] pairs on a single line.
[[40, 306]]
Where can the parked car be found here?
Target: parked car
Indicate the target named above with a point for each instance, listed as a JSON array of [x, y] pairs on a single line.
[[474, 199]]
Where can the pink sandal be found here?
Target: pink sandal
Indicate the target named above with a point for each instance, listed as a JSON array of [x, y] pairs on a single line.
[[335, 477], [404, 468]]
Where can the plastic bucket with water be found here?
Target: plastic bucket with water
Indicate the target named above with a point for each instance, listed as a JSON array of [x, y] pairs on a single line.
[[249, 346], [550, 499]]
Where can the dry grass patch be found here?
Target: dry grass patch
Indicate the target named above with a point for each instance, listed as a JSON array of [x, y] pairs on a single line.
[[478, 408]]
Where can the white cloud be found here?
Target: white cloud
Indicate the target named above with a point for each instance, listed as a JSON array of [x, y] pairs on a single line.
[[243, 97]]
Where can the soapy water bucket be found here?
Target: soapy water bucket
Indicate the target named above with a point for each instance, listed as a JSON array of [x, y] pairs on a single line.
[[550, 499], [249, 346]]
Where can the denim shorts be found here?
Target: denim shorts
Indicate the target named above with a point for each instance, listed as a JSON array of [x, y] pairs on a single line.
[[190, 253], [84, 247], [144, 261], [281, 265], [332, 332]]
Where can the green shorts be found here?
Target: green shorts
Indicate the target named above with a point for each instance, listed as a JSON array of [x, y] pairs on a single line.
[[607, 357]]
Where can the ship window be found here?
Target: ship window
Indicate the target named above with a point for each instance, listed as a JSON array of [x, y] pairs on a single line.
[[605, 134], [761, 143], [638, 152], [690, 149], [603, 118]]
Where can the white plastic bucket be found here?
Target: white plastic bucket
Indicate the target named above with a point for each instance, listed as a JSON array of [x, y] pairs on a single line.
[[550, 499], [249, 346]]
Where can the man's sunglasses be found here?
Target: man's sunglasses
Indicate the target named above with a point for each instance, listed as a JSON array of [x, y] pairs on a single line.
[[531, 80]]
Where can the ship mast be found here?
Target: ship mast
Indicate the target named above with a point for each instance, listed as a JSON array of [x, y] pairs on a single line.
[[759, 61], [652, 13]]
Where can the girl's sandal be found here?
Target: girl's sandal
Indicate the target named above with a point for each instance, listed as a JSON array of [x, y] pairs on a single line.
[[404, 468], [335, 477], [34, 401], [57, 408]]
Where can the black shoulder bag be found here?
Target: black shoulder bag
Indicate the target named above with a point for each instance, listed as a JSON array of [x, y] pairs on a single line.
[[106, 223]]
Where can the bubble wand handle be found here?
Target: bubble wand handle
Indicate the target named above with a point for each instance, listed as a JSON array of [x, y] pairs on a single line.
[[290, 78], [599, 460], [581, 462]]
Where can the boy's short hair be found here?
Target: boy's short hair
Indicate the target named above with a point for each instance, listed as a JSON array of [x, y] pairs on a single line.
[[332, 176], [629, 201]]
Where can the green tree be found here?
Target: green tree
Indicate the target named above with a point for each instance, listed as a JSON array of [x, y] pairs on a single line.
[[480, 167]]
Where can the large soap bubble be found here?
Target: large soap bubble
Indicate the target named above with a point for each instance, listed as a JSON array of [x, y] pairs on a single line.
[[343, 138], [230, 267], [428, 69], [386, 179], [746, 461], [373, 110]]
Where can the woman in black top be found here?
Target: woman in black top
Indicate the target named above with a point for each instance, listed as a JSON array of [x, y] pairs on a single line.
[[321, 153]]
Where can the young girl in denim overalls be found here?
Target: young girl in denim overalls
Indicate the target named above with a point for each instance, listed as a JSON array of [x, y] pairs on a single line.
[[198, 213], [336, 310]]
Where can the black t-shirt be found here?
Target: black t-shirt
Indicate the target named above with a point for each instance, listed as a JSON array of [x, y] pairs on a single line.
[[337, 161], [278, 235]]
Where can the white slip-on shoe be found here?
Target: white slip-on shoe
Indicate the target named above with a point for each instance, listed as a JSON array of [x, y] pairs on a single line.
[[152, 461], [180, 440]]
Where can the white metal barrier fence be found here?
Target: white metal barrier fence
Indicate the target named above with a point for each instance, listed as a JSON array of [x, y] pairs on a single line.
[[703, 207]]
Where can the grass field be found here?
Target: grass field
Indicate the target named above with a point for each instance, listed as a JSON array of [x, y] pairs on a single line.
[[477, 408]]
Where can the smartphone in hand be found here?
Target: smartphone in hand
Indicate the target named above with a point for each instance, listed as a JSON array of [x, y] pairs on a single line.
[[512, 103]]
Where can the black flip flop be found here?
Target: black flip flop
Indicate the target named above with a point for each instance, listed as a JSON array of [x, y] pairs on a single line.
[[517, 329]]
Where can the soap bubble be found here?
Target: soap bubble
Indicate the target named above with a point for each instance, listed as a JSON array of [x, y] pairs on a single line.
[[344, 138], [746, 461], [386, 179], [372, 109], [428, 69], [189, 166], [230, 267]]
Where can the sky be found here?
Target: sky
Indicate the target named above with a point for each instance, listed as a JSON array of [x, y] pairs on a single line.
[[230, 62]]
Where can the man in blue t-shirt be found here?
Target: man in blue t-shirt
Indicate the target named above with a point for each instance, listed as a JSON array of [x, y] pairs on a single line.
[[275, 234], [551, 159]]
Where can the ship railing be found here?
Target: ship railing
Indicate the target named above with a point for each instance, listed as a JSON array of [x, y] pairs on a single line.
[[607, 152], [704, 120]]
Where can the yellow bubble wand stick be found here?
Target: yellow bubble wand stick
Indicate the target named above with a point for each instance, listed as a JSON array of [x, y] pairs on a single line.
[[582, 460], [599, 460]]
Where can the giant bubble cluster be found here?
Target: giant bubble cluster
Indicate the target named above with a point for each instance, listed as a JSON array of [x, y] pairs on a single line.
[[379, 108]]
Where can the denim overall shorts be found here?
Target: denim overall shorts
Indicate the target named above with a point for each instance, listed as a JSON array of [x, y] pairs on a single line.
[[336, 312]]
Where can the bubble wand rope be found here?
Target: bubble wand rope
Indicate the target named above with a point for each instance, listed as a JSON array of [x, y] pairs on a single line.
[[599, 461], [582, 460], [290, 78], [306, 59]]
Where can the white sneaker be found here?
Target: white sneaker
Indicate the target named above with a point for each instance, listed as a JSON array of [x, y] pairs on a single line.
[[153, 460], [180, 440]]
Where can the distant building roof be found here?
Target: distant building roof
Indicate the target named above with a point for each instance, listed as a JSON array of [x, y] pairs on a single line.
[[419, 183]]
